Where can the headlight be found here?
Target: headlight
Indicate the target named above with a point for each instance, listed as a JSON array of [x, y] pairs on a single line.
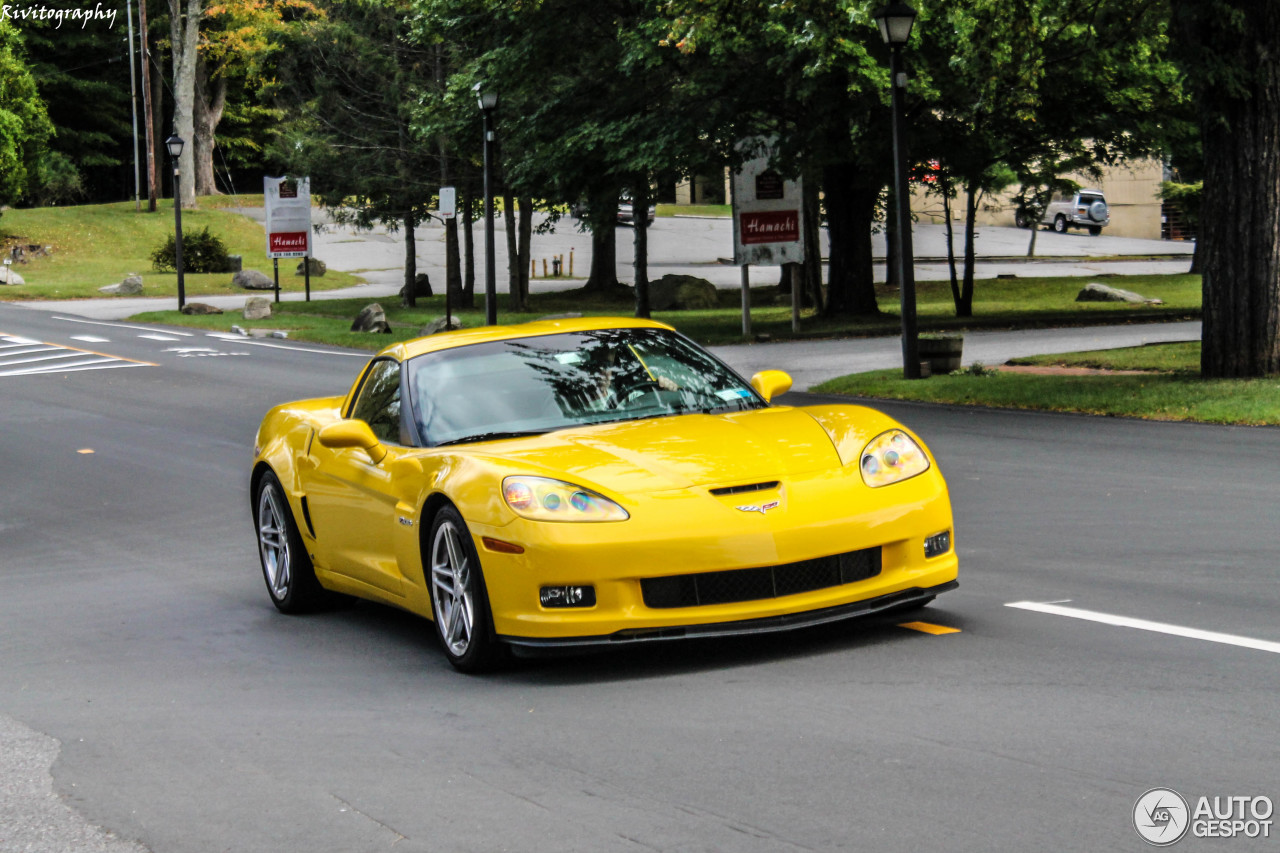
[[544, 499], [890, 457]]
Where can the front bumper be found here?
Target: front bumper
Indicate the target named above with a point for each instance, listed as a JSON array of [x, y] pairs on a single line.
[[764, 625]]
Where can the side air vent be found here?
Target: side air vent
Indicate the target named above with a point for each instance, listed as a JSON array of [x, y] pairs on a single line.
[[754, 487], [306, 516]]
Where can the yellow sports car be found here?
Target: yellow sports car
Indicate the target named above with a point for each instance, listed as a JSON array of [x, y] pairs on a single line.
[[592, 482]]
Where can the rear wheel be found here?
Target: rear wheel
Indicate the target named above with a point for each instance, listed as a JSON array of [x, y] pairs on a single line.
[[1020, 219], [1095, 230], [1060, 224], [459, 601], [286, 565]]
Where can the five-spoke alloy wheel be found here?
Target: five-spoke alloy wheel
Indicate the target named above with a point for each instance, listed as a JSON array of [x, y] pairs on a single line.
[[286, 566], [459, 604]]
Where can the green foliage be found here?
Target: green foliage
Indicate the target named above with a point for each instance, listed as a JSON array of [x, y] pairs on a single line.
[[1186, 197], [24, 123], [202, 251], [58, 180]]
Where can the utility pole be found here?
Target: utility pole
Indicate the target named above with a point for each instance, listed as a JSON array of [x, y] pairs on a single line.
[[146, 107], [133, 106]]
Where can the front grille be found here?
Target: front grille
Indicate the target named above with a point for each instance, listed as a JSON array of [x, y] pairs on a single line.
[[753, 487], [765, 582]]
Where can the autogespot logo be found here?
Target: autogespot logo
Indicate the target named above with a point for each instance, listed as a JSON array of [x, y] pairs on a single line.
[[1161, 817]]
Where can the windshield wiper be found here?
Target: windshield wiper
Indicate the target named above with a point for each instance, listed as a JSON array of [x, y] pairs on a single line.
[[492, 436]]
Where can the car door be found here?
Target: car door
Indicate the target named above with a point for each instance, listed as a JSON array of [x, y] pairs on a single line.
[[353, 500]]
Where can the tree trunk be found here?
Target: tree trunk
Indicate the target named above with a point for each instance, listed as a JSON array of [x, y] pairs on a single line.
[[513, 254], [159, 155], [850, 271], [524, 245], [951, 247], [964, 307], [466, 297], [603, 220], [812, 239], [640, 222], [184, 29], [209, 107], [410, 264]]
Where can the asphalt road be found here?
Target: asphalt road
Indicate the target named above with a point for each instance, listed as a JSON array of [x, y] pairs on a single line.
[[187, 715]]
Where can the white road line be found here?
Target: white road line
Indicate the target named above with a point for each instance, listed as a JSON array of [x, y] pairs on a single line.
[[160, 337], [19, 342], [1144, 625], [74, 367], [241, 339], [28, 350], [91, 339], [123, 326], [58, 353]]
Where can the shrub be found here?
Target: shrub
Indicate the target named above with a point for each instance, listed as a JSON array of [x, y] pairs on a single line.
[[201, 252]]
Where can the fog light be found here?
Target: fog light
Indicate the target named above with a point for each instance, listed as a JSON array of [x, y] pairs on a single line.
[[937, 544], [567, 596]]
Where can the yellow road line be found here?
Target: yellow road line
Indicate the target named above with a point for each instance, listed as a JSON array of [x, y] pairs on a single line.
[[929, 628]]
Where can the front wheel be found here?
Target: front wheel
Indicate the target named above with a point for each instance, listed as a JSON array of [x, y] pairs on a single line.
[[1060, 224], [459, 602], [286, 565]]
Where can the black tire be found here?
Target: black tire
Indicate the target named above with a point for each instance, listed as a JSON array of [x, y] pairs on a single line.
[[459, 599], [1020, 219], [1060, 224], [1095, 230], [286, 565]]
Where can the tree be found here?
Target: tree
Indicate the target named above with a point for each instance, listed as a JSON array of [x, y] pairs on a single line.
[[1228, 49], [356, 75], [24, 123], [184, 41]]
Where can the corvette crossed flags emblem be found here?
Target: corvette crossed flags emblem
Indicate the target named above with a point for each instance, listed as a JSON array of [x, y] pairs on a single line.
[[761, 508]]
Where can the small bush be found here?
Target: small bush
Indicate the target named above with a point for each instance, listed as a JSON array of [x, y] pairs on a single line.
[[975, 369], [201, 252]]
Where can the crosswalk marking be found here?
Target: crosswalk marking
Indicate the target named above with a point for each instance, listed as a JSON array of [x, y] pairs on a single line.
[[90, 339], [24, 357]]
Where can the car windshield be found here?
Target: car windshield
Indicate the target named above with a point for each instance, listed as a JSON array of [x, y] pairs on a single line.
[[533, 385]]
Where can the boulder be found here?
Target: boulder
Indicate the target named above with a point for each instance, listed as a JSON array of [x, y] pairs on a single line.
[[682, 293], [200, 308], [372, 318], [1094, 292], [131, 285], [253, 280], [438, 325], [318, 267], [421, 289], [257, 308], [8, 276]]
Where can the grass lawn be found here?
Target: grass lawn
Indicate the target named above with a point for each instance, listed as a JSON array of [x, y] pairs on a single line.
[[99, 244], [718, 210], [1171, 388]]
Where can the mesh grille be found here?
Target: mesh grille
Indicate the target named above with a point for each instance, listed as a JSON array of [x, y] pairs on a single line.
[[756, 584]]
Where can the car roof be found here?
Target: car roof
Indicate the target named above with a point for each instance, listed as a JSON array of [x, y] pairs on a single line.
[[484, 334]]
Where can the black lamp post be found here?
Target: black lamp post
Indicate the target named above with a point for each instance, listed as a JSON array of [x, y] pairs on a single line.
[[488, 101], [895, 22], [174, 144]]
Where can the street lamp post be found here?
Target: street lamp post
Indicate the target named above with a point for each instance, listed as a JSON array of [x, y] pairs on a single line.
[[488, 101], [895, 22], [174, 144]]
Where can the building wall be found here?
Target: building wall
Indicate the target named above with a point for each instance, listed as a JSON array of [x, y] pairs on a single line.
[[1132, 192]]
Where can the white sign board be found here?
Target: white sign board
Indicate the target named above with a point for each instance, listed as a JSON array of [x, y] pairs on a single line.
[[448, 202], [288, 203], [768, 221]]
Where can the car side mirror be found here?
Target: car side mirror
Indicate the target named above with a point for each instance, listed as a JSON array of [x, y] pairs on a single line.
[[352, 433], [771, 383]]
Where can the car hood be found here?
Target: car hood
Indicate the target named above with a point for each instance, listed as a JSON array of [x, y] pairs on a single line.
[[679, 452]]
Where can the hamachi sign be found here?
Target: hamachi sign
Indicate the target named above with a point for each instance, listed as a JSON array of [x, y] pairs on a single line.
[[767, 212], [288, 204]]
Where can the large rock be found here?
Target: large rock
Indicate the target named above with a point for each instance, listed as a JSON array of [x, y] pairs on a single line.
[[682, 293], [421, 289], [200, 308], [257, 308], [1094, 292], [318, 267], [439, 325], [131, 285], [372, 318], [8, 276], [253, 280]]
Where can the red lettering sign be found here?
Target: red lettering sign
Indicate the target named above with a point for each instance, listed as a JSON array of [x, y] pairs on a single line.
[[287, 241], [770, 226]]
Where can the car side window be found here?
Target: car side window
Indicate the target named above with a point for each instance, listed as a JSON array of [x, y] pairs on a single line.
[[378, 403]]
